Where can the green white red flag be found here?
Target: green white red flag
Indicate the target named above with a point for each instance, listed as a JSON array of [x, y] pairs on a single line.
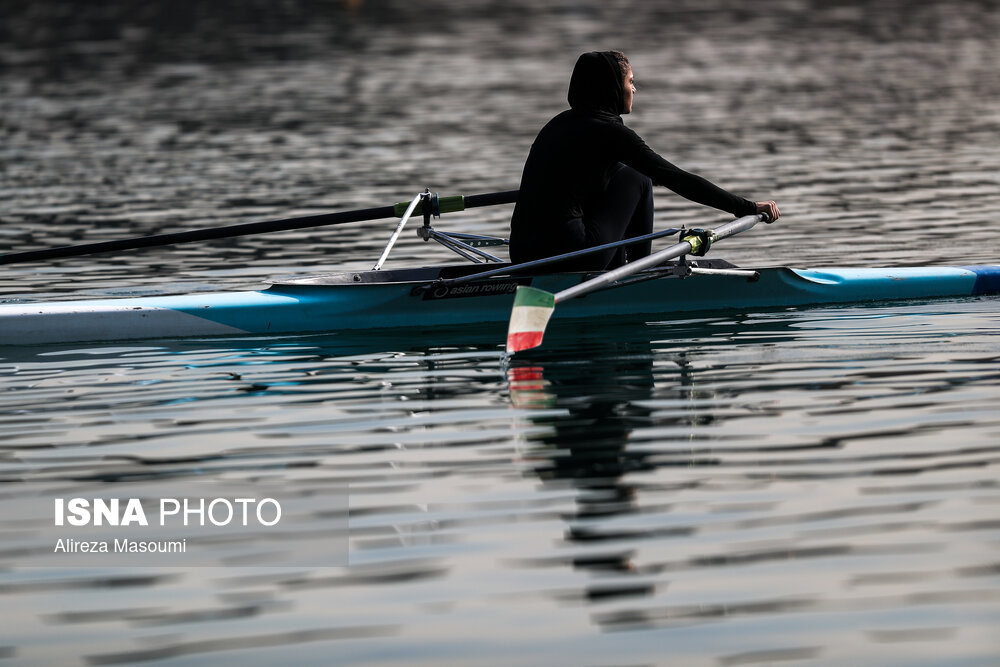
[[532, 310]]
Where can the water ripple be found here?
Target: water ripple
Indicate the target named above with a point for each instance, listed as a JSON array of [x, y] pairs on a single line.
[[763, 487]]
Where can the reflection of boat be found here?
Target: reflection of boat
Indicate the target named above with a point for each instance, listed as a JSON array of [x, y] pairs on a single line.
[[431, 297], [449, 296]]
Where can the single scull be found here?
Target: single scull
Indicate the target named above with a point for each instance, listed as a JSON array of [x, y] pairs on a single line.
[[457, 295]]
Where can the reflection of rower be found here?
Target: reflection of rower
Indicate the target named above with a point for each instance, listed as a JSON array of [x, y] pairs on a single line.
[[585, 444]]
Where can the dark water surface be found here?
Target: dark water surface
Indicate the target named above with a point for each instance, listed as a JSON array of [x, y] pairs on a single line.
[[795, 486]]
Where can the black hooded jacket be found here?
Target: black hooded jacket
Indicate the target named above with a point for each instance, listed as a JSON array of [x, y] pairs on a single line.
[[572, 157]]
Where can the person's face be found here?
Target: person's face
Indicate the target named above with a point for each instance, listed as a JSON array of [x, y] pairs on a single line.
[[629, 91]]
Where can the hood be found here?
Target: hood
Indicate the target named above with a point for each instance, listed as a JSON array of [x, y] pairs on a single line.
[[597, 85]]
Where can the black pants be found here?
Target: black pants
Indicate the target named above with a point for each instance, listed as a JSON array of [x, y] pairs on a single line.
[[623, 210]]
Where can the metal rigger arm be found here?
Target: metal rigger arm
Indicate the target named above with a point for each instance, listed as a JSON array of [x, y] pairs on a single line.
[[466, 245]]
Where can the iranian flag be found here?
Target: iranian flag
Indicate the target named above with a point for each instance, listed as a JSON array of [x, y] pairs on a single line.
[[532, 310]]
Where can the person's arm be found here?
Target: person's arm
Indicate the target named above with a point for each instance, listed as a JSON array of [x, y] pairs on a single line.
[[636, 154]]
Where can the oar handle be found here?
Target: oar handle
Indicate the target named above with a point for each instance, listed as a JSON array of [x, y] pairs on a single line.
[[491, 199]]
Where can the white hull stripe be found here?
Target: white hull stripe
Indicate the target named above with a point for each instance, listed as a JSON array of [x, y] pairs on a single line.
[[48, 323]]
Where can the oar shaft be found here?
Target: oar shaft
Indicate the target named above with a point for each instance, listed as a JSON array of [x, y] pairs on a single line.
[[533, 306], [242, 229], [674, 251]]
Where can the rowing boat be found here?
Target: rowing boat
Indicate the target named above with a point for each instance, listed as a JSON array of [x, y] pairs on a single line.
[[458, 295], [424, 297]]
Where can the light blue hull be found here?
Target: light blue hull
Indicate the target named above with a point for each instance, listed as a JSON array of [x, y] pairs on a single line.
[[409, 299]]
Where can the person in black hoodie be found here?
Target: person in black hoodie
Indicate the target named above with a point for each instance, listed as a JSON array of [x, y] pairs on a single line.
[[588, 178]]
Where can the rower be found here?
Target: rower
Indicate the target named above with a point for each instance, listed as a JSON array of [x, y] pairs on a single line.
[[588, 178]]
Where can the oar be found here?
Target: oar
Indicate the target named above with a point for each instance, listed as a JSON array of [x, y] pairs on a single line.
[[445, 205], [533, 307]]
